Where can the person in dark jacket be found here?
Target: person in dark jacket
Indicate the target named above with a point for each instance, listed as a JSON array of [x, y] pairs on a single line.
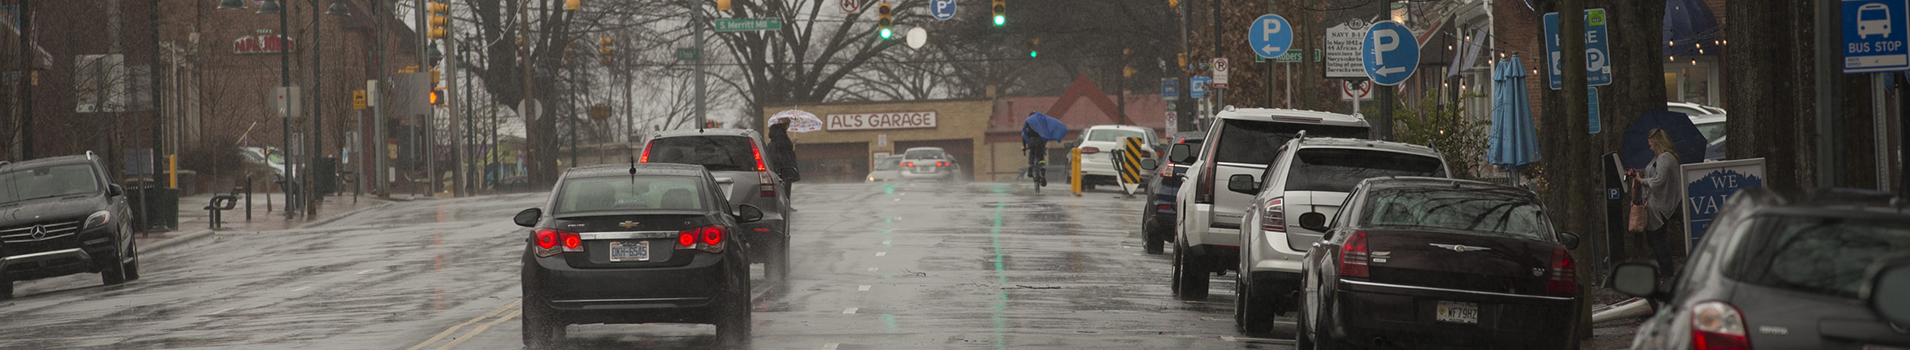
[[782, 154]]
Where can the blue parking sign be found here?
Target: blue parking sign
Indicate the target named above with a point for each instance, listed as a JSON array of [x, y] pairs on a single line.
[[1270, 36], [1389, 52], [942, 9], [1598, 65], [1170, 89], [1874, 36]]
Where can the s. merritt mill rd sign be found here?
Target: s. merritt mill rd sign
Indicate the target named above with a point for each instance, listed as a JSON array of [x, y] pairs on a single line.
[[874, 121]]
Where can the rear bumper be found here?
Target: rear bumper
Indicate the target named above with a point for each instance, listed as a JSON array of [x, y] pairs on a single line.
[[911, 175], [686, 293], [1385, 315]]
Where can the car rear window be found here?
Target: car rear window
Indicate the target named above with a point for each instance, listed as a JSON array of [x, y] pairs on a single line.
[[1111, 135], [47, 182], [641, 193], [889, 163], [1256, 142], [1822, 255], [1475, 212], [924, 153], [716, 153], [1338, 170]]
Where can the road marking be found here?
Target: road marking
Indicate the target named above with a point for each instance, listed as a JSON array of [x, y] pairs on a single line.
[[849, 311], [480, 329], [887, 242], [862, 288], [454, 329], [221, 311], [830, 346], [300, 288], [1227, 338], [364, 272], [881, 253], [872, 269]]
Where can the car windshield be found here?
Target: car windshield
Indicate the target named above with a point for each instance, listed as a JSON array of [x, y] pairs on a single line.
[[46, 182], [717, 153], [924, 154], [1255, 142], [1338, 170], [1820, 255], [1111, 135], [1711, 131], [888, 163], [1443, 208], [640, 193]]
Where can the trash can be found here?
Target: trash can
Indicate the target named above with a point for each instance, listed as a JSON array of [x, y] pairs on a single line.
[[156, 209], [325, 176]]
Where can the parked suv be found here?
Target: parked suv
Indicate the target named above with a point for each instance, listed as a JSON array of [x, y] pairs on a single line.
[[1240, 141], [742, 167], [1098, 144], [60, 216], [1308, 175]]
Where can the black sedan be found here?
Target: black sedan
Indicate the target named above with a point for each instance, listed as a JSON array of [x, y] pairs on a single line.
[[1774, 272], [636, 243], [1438, 262]]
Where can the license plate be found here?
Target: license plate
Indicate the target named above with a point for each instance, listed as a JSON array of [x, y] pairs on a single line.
[[924, 169], [621, 251], [1457, 312]]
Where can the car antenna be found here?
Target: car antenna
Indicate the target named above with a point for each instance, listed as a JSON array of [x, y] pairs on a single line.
[[633, 169]]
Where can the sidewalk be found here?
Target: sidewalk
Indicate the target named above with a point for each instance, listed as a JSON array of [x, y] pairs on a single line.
[[195, 220]]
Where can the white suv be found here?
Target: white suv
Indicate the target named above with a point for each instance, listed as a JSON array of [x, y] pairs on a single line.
[[1306, 182], [1239, 142], [1097, 151]]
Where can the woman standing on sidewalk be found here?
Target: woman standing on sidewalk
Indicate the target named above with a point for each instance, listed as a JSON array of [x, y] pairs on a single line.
[[1660, 180], [782, 152]]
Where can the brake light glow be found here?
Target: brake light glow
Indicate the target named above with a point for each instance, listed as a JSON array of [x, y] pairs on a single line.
[[1564, 278], [1166, 207], [1353, 256], [1090, 150], [941, 164], [1274, 218], [753, 150], [765, 184], [552, 242], [707, 239], [646, 151], [1717, 326], [908, 164]]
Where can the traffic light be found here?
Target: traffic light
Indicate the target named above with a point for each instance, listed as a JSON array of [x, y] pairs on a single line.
[[1034, 48], [440, 19], [1001, 12], [883, 22], [722, 5], [573, 5], [604, 47], [437, 97], [1127, 68], [435, 74], [712, 124]]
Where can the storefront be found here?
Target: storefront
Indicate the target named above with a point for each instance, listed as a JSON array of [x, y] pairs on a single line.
[[854, 134]]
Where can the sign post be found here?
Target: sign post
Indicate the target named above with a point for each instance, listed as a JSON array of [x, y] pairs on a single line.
[[1598, 68], [1220, 72]]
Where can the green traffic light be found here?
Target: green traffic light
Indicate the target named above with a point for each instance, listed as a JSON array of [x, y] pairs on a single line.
[[1033, 53], [1001, 20], [886, 33]]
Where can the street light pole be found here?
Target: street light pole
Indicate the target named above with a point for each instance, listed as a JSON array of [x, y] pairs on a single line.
[[312, 197]]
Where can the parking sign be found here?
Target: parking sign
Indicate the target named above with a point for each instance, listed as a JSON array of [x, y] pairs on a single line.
[[1389, 53]]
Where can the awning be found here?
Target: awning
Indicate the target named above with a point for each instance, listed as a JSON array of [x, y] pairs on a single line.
[[1470, 48], [1690, 28]]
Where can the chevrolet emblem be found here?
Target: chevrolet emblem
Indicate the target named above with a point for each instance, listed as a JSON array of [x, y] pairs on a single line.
[[627, 224]]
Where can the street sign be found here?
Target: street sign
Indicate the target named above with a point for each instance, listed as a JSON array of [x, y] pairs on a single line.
[[599, 111], [1874, 33], [1171, 123], [1199, 86], [942, 9], [285, 101], [1270, 36], [530, 109], [1598, 65], [1348, 90], [358, 99], [748, 24], [1389, 53], [686, 54], [850, 6], [1220, 72], [1170, 89], [1291, 57], [1592, 102], [1342, 54]]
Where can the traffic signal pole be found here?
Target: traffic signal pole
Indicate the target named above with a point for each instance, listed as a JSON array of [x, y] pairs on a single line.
[[451, 96], [696, 12]]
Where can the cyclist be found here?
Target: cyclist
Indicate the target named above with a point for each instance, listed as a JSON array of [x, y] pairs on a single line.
[[1037, 148]]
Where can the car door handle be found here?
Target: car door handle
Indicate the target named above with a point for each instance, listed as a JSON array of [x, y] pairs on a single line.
[[1316, 244]]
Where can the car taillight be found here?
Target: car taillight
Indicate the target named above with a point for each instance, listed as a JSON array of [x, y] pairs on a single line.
[[1353, 256], [908, 164], [1205, 194], [552, 242], [1090, 150], [1274, 218], [1717, 326], [1167, 169], [941, 164], [708, 239], [1564, 280], [1164, 207], [758, 152], [646, 151], [766, 184]]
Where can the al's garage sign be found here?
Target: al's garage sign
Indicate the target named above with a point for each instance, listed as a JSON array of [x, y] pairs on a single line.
[[873, 121]]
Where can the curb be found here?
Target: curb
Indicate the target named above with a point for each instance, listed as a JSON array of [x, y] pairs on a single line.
[[340, 216], [162, 245]]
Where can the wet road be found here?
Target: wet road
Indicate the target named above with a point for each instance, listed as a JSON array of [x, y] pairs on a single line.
[[877, 266]]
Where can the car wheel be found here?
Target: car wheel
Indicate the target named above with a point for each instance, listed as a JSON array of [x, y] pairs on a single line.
[[1256, 316], [733, 319], [132, 253], [1154, 235], [1192, 278], [541, 329], [6, 288], [777, 266], [1174, 284], [114, 272]]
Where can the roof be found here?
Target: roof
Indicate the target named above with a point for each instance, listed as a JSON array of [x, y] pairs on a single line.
[[1364, 143], [1294, 116], [704, 132], [647, 169], [52, 160], [1707, 118]]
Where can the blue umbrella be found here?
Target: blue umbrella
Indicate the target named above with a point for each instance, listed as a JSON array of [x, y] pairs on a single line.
[[1636, 151], [1047, 127], [1513, 142]]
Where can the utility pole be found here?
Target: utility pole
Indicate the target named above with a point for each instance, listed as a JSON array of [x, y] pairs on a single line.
[[1184, 104], [375, 93], [1829, 87], [696, 11], [313, 199], [158, 105], [530, 103], [26, 78], [1382, 95], [451, 97], [1220, 94]]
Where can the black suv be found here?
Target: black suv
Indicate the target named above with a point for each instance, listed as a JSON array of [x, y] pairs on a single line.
[[60, 216]]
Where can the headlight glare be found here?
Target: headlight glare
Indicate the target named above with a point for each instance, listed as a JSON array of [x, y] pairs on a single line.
[[98, 219]]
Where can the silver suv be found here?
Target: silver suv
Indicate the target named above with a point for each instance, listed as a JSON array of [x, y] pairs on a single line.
[[745, 171], [1239, 142], [1306, 182]]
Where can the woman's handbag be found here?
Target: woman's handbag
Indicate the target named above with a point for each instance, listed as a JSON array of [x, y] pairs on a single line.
[[1636, 222]]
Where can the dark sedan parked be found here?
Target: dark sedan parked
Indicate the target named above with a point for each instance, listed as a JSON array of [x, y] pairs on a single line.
[[1438, 262], [1779, 273], [636, 244], [1158, 225]]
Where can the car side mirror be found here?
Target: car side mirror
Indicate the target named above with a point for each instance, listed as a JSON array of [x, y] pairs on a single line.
[[1150, 164], [1181, 153], [1243, 183], [748, 213], [1888, 292], [528, 217], [1570, 240], [1313, 221], [1636, 279], [115, 190]]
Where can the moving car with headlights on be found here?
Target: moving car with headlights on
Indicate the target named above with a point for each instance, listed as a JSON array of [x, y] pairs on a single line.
[[638, 243], [61, 216], [886, 169], [1429, 262]]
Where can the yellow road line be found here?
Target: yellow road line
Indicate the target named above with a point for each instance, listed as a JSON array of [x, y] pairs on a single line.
[[480, 329], [454, 329]]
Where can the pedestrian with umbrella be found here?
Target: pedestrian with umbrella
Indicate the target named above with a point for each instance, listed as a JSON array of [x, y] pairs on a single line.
[[1658, 187], [782, 153]]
